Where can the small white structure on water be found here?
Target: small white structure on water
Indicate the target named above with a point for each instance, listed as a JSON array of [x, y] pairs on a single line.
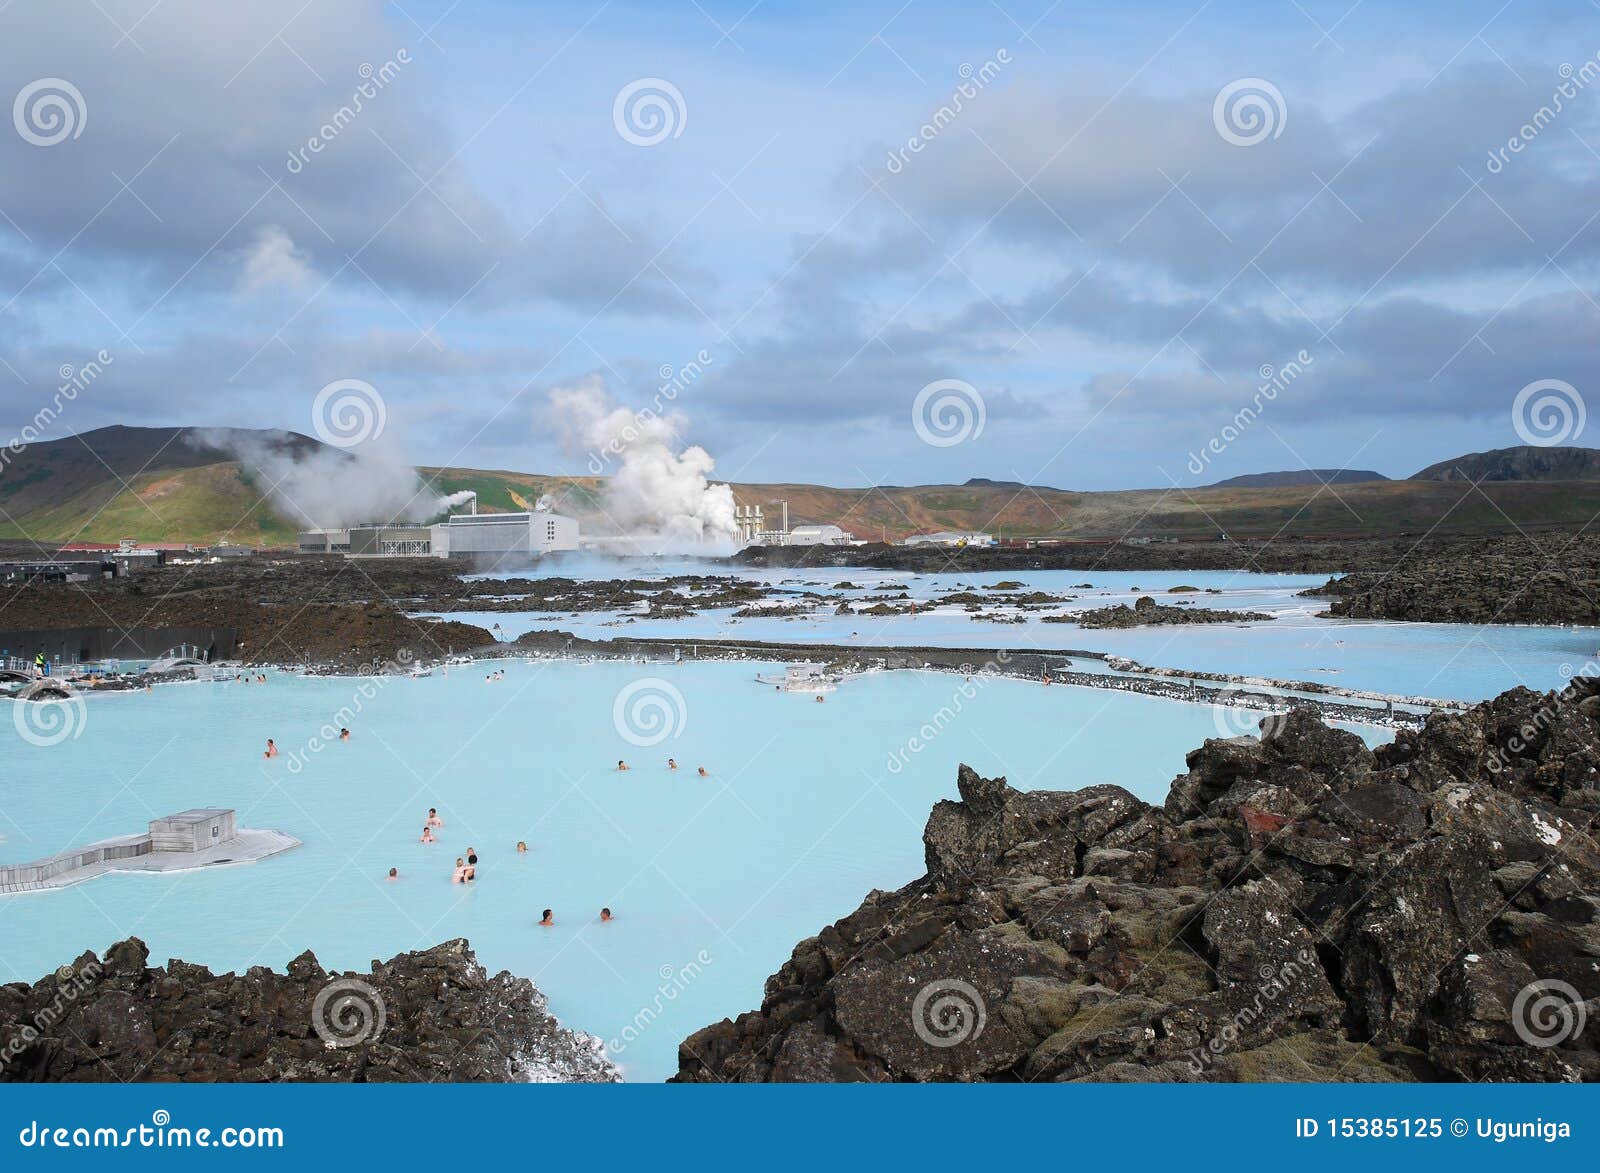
[[802, 678], [950, 538], [198, 838]]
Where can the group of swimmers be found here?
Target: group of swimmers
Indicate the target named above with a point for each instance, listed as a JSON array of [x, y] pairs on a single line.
[[272, 747], [466, 869], [672, 764]]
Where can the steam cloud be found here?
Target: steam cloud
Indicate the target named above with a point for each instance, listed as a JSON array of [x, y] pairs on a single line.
[[325, 488], [655, 491]]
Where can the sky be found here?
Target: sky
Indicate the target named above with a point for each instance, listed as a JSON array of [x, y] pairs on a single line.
[[1085, 246]]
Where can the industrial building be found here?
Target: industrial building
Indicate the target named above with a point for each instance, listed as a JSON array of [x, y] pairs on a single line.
[[819, 535], [490, 538], [324, 541], [752, 528], [950, 538], [487, 539]]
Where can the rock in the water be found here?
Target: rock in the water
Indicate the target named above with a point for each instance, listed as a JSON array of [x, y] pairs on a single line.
[[424, 1016], [1302, 908]]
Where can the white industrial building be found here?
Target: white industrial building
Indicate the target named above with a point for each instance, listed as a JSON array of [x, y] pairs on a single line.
[[494, 537], [818, 535], [950, 538], [487, 539]]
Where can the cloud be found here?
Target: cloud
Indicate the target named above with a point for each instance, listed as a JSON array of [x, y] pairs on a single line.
[[272, 260]]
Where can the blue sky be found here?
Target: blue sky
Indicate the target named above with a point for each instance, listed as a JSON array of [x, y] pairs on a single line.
[[1080, 244]]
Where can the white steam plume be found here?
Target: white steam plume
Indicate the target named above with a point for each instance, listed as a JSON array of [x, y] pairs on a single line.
[[322, 487], [658, 489]]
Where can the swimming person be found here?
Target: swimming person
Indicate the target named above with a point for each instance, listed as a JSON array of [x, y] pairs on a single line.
[[621, 765], [703, 773], [427, 833], [394, 873], [605, 915], [549, 919], [472, 857], [672, 764], [522, 847], [433, 818], [459, 876], [344, 734], [272, 749]]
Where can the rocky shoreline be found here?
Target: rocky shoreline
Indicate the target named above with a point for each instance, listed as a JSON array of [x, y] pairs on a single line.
[[432, 1015], [1300, 908], [1232, 691], [1146, 612], [1545, 579]]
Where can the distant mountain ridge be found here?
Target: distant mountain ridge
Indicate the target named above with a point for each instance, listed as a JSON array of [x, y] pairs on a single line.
[[1523, 463], [1301, 476], [185, 485]]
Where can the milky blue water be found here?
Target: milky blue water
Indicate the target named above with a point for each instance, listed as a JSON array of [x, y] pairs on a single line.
[[1452, 661], [807, 808]]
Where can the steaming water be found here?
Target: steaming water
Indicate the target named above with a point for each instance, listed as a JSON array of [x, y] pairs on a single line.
[[1454, 661], [714, 878]]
